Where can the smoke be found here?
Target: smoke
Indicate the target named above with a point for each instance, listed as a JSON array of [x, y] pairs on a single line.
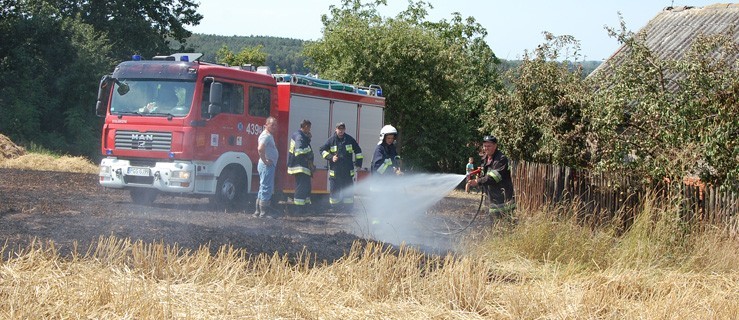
[[394, 209]]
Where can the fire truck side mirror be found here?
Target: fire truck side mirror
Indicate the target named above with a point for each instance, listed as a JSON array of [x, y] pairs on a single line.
[[215, 99], [123, 88], [100, 109], [103, 95]]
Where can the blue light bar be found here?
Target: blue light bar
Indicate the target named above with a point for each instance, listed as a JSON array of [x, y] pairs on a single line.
[[136, 57], [108, 151], [171, 155], [185, 58]]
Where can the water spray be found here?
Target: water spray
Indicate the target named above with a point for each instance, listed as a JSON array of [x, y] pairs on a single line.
[[477, 213], [393, 206]]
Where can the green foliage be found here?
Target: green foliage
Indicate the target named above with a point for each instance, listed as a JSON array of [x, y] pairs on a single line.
[[54, 52], [283, 55], [664, 118], [254, 56], [52, 63], [709, 105], [145, 27], [540, 117], [435, 75], [638, 115]]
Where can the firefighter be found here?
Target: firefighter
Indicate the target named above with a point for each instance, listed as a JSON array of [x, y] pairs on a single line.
[[386, 159], [343, 154], [300, 165], [496, 181]]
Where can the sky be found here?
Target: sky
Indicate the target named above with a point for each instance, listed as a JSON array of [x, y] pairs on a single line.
[[513, 26]]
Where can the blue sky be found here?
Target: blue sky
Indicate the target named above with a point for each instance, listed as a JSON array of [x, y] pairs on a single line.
[[513, 26]]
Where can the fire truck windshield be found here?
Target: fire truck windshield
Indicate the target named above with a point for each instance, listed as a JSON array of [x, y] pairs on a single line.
[[153, 97]]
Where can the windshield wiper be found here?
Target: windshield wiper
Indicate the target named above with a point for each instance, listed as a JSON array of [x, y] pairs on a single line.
[[120, 113], [167, 114]]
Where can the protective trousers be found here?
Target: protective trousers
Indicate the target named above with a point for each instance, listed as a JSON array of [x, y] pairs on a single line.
[[302, 189], [339, 193]]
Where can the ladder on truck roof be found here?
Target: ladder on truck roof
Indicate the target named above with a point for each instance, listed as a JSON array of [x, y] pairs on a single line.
[[313, 81]]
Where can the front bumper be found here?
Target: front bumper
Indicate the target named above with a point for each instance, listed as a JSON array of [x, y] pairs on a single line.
[[176, 177]]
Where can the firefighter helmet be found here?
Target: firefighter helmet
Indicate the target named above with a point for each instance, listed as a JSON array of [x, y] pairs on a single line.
[[387, 129], [490, 138]]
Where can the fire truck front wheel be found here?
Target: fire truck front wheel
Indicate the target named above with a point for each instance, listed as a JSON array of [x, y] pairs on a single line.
[[143, 196], [230, 188]]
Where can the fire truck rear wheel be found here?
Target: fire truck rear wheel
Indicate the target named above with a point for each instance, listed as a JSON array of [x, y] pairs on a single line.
[[230, 188], [143, 196]]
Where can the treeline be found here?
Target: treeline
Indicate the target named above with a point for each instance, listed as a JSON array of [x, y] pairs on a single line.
[[283, 54]]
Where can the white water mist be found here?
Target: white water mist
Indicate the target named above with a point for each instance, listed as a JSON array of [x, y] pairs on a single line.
[[393, 209]]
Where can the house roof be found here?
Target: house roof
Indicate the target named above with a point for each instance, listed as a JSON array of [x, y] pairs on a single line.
[[670, 34]]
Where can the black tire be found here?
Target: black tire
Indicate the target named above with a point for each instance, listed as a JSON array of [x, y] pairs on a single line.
[[143, 196], [230, 188]]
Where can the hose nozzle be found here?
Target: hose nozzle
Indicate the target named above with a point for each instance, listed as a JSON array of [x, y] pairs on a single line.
[[475, 172]]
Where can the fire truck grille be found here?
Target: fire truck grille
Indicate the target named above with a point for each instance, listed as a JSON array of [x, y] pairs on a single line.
[[151, 140]]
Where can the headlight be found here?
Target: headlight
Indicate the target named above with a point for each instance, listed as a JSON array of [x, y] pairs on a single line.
[[182, 175], [104, 170]]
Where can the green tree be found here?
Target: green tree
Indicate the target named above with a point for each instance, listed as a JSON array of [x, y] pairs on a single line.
[[709, 97], [435, 75], [248, 55], [52, 63], [146, 27], [539, 117], [667, 118]]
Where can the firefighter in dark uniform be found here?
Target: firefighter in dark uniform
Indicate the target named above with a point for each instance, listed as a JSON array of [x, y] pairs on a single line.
[[300, 165], [386, 159], [496, 181], [343, 154]]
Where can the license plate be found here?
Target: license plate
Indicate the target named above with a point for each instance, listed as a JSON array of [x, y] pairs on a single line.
[[133, 171]]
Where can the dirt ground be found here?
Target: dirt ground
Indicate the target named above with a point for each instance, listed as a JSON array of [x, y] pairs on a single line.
[[70, 208]]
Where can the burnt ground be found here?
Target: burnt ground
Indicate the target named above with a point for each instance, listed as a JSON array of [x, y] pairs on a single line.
[[69, 208]]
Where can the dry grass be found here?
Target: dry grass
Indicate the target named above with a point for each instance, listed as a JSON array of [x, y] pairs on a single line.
[[48, 162], [497, 279], [542, 268]]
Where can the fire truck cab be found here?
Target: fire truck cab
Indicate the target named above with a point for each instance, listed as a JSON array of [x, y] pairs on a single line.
[[179, 126]]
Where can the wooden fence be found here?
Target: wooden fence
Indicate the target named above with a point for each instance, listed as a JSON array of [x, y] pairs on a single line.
[[600, 198]]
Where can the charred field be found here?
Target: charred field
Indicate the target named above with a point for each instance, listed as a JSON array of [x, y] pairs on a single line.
[[73, 211]]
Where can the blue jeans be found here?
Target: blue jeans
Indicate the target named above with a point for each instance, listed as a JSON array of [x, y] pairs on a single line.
[[266, 181]]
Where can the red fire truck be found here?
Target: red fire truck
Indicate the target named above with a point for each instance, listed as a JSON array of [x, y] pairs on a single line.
[[180, 126]]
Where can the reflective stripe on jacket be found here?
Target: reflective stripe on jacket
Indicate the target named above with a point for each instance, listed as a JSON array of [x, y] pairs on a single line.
[[385, 156], [496, 178], [348, 150], [299, 154]]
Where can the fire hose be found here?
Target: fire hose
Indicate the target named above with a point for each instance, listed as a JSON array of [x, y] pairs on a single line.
[[477, 213]]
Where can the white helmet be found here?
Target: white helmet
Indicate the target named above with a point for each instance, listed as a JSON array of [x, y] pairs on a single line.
[[387, 129]]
